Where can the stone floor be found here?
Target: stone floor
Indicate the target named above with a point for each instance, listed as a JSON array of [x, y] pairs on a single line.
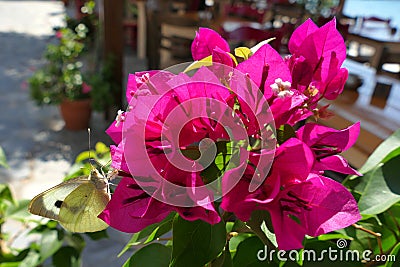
[[38, 148]]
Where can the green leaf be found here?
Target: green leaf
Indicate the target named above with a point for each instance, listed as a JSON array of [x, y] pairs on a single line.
[[145, 233], [98, 235], [377, 196], [31, 260], [75, 240], [394, 254], [248, 251], [11, 258], [196, 243], [66, 257], [19, 211], [235, 241], [333, 236], [5, 193], [154, 255], [101, 148], [163, 228], [223, 260], [386, 148], [10, 264], [50, 242], [3, 160], [85, 155], [284, 133]]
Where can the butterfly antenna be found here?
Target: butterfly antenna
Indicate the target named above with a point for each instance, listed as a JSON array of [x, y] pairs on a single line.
[[90, 146]]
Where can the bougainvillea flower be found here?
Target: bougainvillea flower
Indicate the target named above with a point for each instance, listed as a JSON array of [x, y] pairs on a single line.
[[264, 67], [131, 209], [270, 73], [222, 57], [327, 143], [205, 42], [140, 83], [292, 163], [313, 207], [173, 121], [317, 56]]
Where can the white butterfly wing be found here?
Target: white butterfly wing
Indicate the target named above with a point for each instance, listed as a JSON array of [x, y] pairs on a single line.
[[48, 203], [81, 207]]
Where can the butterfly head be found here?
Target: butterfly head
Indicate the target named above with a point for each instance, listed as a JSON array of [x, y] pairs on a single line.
[[98, 179]]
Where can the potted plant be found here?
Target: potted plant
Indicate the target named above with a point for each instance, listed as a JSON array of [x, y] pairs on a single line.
[[60, 80], [67, 77]]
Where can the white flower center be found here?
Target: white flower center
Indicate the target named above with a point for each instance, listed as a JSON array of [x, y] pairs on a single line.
[[281, 88], [119, 118]]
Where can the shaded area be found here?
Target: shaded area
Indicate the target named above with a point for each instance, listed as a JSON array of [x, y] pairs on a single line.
[[29, 133]]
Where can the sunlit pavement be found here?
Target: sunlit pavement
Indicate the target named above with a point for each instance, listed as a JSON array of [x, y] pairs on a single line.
[[38, 149]]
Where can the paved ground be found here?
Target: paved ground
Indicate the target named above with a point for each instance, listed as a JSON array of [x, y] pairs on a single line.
[[38, 149]]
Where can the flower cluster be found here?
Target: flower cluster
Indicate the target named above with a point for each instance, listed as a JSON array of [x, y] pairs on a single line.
[[223, 139]]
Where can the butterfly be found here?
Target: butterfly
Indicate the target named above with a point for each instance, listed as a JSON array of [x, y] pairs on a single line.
[[75, 203]]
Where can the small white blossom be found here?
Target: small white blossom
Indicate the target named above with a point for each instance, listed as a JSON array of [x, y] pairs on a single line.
[[281, 88], [119, 118], [144, 78]]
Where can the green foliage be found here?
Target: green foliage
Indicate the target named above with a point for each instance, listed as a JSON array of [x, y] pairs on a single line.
[[196, 243], [69, 71], [155, 254], [3, 160], [100, 156], [52, 242], [61, 77], [104, 86]]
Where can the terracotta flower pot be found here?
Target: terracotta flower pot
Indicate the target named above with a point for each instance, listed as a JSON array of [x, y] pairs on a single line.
[[76, 114]]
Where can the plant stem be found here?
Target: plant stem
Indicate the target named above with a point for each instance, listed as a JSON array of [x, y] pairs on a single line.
[[377, 235], [256, 228]]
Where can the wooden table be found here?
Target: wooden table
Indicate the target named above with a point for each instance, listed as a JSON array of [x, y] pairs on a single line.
[[379, 37]]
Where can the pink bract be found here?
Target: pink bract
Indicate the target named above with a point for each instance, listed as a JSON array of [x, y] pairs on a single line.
[[205, 42], [170, 116]]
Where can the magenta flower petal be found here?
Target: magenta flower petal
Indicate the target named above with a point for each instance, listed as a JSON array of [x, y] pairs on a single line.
[[264, 67], [320, 205], [336, 85], [293, 161], [318, 54], [324, 43], [205, 42], [285, 109], [118, 158], [300, 34], [335, 209], [318, 135], [326, 143], [131, 209], [131, 87], [292, 164], [239, 199], [115, 133], [335, 163], [222, 57]]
